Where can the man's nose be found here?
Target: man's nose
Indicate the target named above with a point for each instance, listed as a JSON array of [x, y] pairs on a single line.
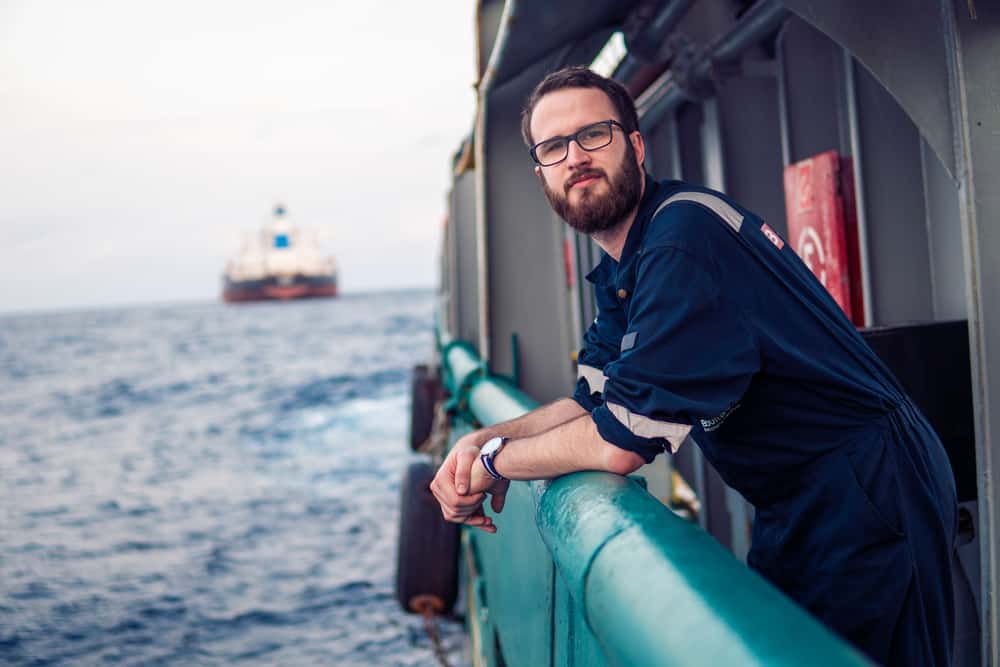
[[576, 156]]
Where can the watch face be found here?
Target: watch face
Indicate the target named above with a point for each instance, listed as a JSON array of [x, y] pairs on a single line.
[[491, 445]]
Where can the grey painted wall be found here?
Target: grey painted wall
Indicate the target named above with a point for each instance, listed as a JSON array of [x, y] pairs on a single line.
[[944, 235], [894, 207], [527, 284], [809, 71], [465, 290], [750, 137]]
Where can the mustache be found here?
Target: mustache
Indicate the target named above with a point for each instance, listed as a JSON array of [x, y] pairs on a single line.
[[589, 173]]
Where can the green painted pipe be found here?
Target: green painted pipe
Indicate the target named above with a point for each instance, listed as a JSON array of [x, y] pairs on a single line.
[[493, 400], [490, 399], [656, 589], [460, 362]]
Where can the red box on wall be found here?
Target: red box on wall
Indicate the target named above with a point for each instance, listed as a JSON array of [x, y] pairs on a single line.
[[822, 226]]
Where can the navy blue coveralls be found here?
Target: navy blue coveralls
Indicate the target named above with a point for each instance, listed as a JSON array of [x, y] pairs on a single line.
[[711, 326]]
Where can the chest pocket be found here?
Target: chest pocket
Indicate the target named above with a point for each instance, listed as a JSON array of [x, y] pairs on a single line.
[[609, 305], [625, 284]]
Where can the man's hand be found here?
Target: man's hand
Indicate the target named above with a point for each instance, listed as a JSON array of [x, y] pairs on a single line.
[[477, 481], [461, 484]]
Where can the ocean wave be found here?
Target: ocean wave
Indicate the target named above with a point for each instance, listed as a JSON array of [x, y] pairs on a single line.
[[207, 485]]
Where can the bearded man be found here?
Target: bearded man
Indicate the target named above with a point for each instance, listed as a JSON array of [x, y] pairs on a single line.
[[710, 326]]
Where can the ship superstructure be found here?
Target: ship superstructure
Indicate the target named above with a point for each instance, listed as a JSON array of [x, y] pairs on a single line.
[[866, 135], [279, 261]]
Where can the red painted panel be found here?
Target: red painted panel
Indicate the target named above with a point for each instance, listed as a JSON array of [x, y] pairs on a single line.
[[820, 229]]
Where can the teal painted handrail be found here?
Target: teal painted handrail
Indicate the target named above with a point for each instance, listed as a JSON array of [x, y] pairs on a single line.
[[656, 589], [461, 364], [653, 588]]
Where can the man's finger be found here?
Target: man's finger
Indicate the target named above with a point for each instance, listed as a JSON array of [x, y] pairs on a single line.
[[488, 528], [463, 468], [442, 478], [499, 498], [463, 503], [467, 503], [465, 506], [450, 514], [474, 518], [480, 520], [443, 490]]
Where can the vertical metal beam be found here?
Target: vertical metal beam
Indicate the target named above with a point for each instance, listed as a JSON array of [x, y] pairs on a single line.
[[584, 295], [854, 134], [711, 146], [451, 259], [783, 125], [485, 88], [482, 263], [700, 483], [974, 81], [577, 325], [675, 145], [714, 161]]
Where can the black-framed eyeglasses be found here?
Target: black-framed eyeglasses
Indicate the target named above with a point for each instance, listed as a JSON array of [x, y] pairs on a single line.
[[590, 138]]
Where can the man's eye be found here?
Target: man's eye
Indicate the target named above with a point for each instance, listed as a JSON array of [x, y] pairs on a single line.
[[552, 147], [594, 136]]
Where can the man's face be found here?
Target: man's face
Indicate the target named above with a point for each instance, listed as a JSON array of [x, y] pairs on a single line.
[[591, 190]]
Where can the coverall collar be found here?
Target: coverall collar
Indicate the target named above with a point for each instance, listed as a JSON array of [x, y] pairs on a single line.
[[605, 271]]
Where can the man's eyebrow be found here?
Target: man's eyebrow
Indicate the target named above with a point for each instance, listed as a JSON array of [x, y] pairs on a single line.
[[566, 136]]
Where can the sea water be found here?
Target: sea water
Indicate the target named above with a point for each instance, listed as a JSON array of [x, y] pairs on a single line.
[[209, 484]]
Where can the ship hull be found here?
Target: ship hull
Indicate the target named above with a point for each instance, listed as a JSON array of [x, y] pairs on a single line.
[[275, 289]]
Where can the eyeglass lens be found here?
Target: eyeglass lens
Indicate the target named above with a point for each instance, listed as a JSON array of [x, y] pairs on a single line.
[[589, 138]]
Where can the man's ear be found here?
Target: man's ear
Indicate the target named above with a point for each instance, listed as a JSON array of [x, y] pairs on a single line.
[[639, 145]]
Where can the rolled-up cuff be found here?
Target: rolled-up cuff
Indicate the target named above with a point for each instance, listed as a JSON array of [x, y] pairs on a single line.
[[619, 435], [593, 376], [647, 427], [587, 400]]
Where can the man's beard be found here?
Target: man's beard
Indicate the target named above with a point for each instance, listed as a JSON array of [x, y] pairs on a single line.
[[597, 213]]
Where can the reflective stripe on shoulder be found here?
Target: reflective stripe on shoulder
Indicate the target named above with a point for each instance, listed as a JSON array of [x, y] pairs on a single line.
[[594, 377], [717, 205], [644, 427]]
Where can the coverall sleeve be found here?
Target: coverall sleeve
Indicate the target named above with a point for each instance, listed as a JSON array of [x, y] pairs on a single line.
[[687, 357], [600, 348]]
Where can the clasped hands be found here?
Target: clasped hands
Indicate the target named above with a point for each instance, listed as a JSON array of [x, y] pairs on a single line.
[[461, 485]]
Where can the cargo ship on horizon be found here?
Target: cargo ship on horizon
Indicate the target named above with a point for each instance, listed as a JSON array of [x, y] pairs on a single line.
[[279, 262]]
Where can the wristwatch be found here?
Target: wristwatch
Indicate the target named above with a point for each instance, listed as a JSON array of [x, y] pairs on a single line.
[[488, 452]]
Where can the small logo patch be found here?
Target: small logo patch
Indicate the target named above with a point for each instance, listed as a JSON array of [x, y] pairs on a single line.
[[772, 236], [628, 341], [715, 422]]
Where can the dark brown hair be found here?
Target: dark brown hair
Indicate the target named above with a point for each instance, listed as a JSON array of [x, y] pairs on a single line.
[[581, 77]]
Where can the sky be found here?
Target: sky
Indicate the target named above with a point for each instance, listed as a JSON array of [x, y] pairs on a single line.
[[139, 140]]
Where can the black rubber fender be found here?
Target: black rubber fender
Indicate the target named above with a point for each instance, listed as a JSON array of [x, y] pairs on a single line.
[[425, 391], [427, 548]]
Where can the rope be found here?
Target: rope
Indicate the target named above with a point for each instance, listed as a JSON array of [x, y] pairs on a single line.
[[436, 443], [425, 605]]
